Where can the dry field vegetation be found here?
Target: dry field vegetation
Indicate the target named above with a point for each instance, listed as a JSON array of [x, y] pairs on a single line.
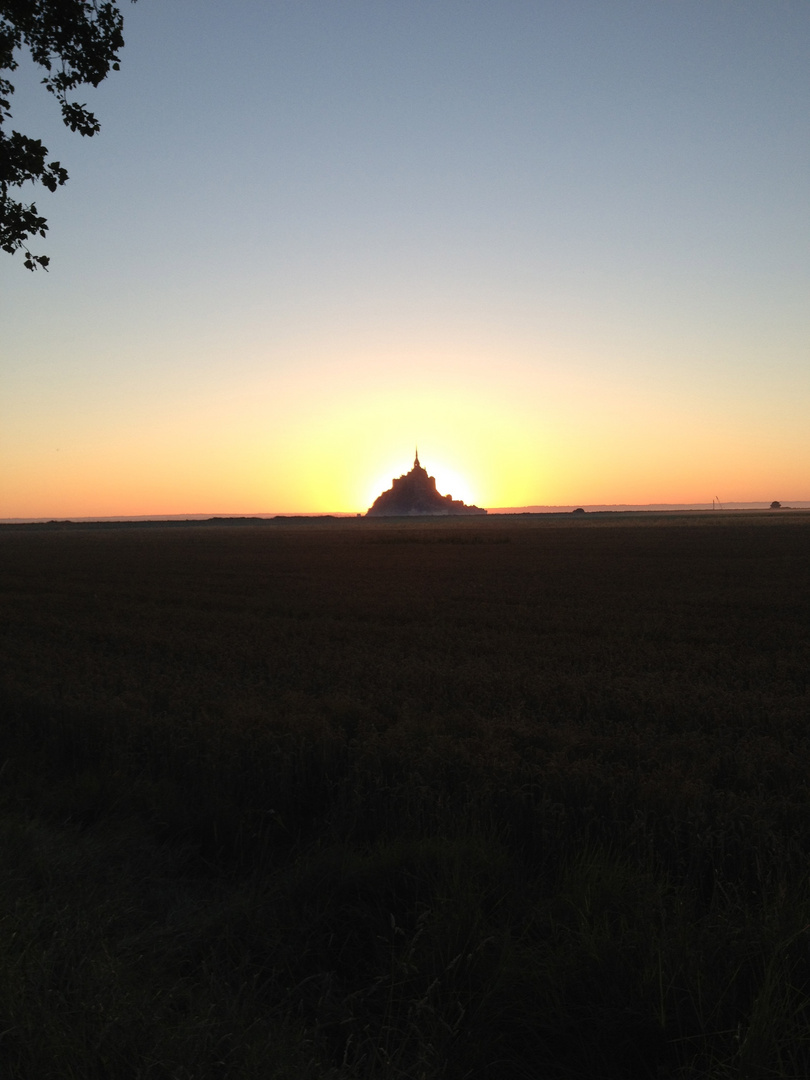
[[507, 798]]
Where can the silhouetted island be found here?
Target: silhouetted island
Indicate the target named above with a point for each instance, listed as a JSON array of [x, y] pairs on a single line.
[[415, 494]]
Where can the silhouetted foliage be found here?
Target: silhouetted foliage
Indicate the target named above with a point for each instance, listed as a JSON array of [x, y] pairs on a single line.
[[776, 505], [75, 42]]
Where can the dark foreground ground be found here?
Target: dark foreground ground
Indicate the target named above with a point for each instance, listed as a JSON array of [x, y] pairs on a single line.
[[514, 798]]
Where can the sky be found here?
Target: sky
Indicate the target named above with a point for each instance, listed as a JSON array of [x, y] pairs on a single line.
[[563, 245]]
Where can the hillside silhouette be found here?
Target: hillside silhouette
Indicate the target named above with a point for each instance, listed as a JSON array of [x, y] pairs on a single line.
[[415, 494]]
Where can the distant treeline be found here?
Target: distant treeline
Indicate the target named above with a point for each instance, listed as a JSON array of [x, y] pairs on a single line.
[[160, 523]]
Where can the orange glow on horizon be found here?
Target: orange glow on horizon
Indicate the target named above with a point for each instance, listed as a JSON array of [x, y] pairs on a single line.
[[331, 437]]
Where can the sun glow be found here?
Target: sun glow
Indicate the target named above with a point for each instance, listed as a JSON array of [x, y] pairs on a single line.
[[331, 437], [450, 482]]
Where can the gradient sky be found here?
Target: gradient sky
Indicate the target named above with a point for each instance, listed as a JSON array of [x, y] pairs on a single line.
[[564, 246]]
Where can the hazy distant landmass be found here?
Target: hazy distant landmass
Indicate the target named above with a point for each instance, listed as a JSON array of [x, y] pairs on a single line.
[[415, 494], [269, 518], [655, 508]]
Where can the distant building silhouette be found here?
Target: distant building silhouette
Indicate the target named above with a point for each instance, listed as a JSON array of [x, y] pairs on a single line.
[[415, 494]]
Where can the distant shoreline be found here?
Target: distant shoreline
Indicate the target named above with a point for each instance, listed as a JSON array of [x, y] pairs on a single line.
[[174, 520]]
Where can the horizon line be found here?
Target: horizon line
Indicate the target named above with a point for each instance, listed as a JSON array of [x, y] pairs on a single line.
[[539, 508]]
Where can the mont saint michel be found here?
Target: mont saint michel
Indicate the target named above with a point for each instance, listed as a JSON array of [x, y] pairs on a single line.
[[415, 494]]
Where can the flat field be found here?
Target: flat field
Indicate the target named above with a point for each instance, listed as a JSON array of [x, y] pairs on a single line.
[[500, 797]]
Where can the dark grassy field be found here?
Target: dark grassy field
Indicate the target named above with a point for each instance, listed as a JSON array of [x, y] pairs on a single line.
[[517, 797]]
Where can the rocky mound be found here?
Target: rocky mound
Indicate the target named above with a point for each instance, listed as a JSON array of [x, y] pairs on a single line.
[[415, 494]]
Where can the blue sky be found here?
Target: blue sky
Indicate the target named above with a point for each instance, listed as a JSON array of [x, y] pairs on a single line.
[[564, 246]]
